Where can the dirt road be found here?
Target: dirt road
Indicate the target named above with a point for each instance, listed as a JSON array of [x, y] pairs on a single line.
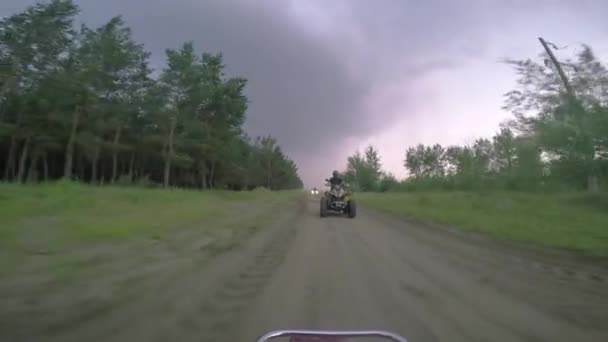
[[372, 272]]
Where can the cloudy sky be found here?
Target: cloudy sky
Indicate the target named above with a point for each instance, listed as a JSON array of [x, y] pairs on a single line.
[[327, 77]]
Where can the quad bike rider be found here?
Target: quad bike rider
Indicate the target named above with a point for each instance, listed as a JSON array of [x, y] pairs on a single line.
[[338, 198], [335, 179]]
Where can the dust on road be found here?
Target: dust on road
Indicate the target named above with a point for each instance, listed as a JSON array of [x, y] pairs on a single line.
[[372, 272]]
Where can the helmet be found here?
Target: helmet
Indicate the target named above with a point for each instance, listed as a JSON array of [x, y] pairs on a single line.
[[335, 173]]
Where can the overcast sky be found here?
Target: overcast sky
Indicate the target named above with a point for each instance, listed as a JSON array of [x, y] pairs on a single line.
[[327, 77]]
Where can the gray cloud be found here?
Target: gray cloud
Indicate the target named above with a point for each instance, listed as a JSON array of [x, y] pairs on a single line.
[[323, 74], [297, 85]]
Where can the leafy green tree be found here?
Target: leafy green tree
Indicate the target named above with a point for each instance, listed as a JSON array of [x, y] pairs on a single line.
[[570, 129], [356, 171], [34, 44], [363, 172], [180, 84], [425, 161], [388, 182], [83, 103], [505, 151], [528, 166], [113, 68]]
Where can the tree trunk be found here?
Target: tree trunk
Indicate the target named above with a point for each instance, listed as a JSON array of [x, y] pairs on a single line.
[[80, 169], [9, 168], [45, 167], [123, 169], [9, 82], [169, 153], [131, 165], [137, 169], [115, 154], [212, 175], [593, 184], [268, 178], [23, 160], [94, 163], [203, 177], [94, 171], [31, 172], [167, 172], [69, 150]]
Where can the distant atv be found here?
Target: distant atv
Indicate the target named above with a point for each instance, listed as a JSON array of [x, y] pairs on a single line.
[[338, 199]]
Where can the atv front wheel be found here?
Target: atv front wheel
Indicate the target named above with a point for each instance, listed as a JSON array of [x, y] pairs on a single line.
[[323, 209], [352, 208]]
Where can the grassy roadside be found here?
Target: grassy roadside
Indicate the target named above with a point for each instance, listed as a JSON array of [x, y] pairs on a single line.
[[571, 221], [65, 212], [69, 250]]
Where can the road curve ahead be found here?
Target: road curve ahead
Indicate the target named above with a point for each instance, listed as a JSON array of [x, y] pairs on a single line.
[[376, 272]]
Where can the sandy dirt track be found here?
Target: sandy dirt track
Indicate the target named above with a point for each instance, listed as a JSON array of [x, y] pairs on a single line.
[[375, 272], [302, 271]]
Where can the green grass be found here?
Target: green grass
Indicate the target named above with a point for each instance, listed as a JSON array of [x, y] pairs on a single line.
[[66, 211], [572, 221]]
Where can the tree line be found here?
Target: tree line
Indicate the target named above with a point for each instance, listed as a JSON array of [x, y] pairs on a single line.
[[556, 140], [82, 103]]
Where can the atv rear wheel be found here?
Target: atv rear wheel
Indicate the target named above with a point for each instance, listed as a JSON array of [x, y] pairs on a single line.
[[323, 209], [352, 208]]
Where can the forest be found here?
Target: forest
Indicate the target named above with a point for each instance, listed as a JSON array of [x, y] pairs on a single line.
[[557, 139], [84, 103]]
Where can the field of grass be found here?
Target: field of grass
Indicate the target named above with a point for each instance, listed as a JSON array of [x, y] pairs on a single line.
[[571, 221], [65, 212]]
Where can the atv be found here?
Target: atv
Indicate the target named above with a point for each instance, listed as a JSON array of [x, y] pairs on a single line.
[[338, 199]]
